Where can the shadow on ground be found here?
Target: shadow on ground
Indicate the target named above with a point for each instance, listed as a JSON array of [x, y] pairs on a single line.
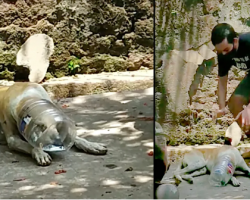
[[123, 121]]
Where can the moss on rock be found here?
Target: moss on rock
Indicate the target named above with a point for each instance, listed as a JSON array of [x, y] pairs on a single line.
[[6, 74], [103, 63]]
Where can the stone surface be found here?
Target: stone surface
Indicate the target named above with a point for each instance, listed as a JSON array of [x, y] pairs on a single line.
[[79, 29], [178, 78], [190, 56], [117, 119], [96, 83]]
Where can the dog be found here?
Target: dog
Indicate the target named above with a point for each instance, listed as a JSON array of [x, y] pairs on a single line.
[[200, 161], [12, 100]]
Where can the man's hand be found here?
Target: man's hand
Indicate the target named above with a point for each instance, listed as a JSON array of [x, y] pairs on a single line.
[[245, 118], [219, 113]]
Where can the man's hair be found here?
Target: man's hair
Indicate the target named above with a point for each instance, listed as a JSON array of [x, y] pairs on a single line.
[[221, 32]]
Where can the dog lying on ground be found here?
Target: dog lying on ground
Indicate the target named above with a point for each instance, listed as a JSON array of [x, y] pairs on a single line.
[[11, 100], [199, 161]]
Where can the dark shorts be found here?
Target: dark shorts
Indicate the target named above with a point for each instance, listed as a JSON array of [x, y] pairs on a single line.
[[243, 89]]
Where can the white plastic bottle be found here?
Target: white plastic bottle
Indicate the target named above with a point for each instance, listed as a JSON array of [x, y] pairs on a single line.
[[167, 191], [45, 125], [222, 171]]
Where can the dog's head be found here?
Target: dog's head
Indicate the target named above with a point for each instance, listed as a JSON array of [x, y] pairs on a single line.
[[59, 134]]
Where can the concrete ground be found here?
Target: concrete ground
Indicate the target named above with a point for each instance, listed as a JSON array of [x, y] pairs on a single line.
[[201, 188], [123, 121]]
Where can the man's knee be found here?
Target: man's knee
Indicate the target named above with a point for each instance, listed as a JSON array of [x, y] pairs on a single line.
[[235, 104]]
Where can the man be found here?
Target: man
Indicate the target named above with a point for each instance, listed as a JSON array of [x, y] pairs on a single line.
[[233, 49]]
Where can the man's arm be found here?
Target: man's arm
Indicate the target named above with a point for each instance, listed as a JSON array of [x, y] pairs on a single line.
[[222, 92]]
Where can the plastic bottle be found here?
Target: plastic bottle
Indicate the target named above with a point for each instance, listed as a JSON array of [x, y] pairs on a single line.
[[222, 171], [45, 125], [167, 191]]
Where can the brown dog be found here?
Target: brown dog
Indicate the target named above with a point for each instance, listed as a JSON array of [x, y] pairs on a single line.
[[12, 100], [199, 161]]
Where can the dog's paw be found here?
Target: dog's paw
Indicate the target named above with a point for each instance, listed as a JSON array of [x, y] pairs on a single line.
[[188, 178], [41, 157], [235, 182], [91, 147], [177, 176]]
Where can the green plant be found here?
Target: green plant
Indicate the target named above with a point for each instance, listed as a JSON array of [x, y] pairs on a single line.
[[73, 65], [174, 12]]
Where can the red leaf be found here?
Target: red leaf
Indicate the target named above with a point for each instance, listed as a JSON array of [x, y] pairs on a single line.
[[65, 106], [60, 171]]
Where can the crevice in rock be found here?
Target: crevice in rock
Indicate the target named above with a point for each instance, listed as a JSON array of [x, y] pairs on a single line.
[[10, 1]]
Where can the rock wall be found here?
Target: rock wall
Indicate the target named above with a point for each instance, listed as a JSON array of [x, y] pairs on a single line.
[[185, 55], [90, 36]]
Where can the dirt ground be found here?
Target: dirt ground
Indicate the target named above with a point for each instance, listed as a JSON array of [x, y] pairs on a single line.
[[123, 121]]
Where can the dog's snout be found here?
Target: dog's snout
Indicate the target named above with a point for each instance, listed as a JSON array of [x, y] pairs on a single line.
[[58, 141]]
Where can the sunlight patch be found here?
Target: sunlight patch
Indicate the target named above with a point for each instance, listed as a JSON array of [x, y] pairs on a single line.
[[121, 186], [110, 182], [100, 122], [148, 143], [25, 188], [78, 100], [125, 101], [47, 186], [4, 184], [76, 190], [113, 124], [143, 179], [122, 116]]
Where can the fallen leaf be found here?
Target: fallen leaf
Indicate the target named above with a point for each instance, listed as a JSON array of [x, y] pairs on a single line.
[[151, 153], [19, 179], [145, 104]]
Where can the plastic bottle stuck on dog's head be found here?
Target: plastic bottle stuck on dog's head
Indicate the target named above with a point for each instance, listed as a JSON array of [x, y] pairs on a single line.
[[44, 124]]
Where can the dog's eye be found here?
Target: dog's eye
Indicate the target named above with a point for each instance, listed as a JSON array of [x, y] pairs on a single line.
[[43, 128]]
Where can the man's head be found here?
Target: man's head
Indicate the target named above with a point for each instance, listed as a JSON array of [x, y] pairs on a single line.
[[224, 38]]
